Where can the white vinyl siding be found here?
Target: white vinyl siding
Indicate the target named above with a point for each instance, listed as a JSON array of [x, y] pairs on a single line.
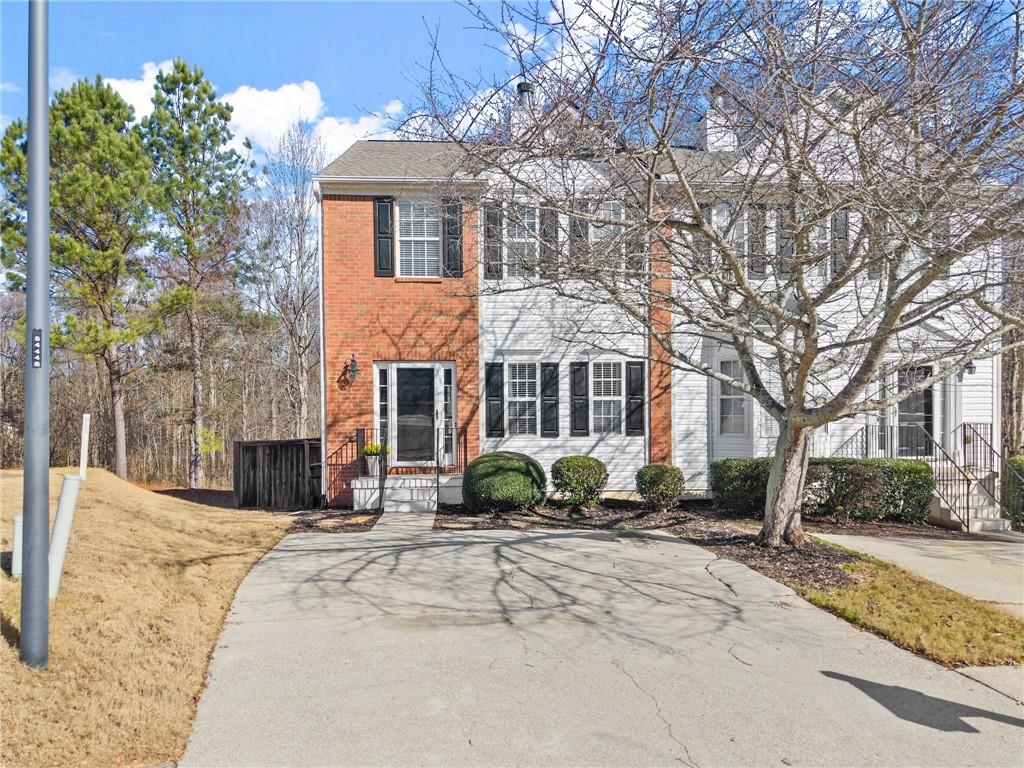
[[419, 239]]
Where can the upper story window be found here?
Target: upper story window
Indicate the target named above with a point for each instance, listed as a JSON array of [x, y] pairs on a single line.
[[419, 238], [521, 240]]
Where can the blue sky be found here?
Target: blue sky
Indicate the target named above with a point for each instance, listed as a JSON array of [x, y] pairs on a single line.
[[340, 65]]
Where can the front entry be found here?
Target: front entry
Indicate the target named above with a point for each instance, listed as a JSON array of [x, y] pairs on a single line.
[[915, 415], [416, 411]]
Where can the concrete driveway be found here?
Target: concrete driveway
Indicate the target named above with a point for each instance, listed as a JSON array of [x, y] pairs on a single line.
[[565, 648]]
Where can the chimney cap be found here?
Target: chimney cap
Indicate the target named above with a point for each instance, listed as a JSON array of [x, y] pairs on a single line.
[[524, 86]]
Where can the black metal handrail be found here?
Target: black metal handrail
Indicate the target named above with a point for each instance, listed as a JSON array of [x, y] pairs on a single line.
[[996, 472], [948, 474], [853, 447]]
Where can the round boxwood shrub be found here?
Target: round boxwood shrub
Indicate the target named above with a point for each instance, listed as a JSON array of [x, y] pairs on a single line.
[[580, 479], [503, 480], [660, 485]]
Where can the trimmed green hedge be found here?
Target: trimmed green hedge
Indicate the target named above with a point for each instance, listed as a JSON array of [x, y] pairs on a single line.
[[503, 480], [660, 485], [1012, 494], [864, 489], [580, 479]]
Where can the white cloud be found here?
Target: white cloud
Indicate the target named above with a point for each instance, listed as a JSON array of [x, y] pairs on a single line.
[[339, 133], [9, 87], [139, 92], [62, 78], [262, 114]]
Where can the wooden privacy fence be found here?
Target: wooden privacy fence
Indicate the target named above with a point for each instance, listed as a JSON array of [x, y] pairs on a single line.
[[277, 474]]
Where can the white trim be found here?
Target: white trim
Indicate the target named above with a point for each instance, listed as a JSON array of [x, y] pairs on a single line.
[[438, 367], [323, 342]]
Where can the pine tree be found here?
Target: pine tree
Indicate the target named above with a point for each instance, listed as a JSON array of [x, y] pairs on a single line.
[[99, 202], [200, 185]]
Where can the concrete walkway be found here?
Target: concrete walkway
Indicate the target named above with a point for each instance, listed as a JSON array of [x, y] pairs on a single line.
[[987, 569], [565, 648]]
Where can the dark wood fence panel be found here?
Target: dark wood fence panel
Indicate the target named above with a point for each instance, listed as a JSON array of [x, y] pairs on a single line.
[[277, 474]]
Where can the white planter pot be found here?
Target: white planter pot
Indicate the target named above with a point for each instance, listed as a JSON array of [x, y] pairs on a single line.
[[373, 466]]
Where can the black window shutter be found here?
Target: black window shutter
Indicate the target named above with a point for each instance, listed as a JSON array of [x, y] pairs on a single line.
[[634, 398], [383, 239], [549, 399], [579, 235], [548, 243], [840, 240], [452, 238], [756, 242], [492, 241], [785, 242], [579, 424], [495, 384]]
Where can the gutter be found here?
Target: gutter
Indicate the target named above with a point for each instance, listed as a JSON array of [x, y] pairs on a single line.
[[323, 342]]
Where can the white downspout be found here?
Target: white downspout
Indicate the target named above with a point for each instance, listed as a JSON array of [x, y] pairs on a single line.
[[323, 343]]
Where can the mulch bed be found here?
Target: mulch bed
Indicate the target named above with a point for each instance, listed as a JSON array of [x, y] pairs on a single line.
[[332, 521]]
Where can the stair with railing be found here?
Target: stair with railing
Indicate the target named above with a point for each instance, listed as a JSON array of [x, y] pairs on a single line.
[[966, 483]]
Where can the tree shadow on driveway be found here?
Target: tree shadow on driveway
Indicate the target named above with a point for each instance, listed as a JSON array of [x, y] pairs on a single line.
[[916, 707]]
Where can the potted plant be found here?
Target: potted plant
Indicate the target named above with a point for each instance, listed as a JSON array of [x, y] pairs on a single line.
[[372, 453]]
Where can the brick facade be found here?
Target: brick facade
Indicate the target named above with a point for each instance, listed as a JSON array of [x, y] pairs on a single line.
[[389, 319]]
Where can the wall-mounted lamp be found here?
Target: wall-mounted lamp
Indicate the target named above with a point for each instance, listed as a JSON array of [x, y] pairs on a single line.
[[971, 367], [349, 373]]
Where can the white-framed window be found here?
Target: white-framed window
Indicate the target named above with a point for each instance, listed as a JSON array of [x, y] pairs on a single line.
[[732, 404], [522, 398], [521, 240], [607, 241], [606, 398], [419, 238]]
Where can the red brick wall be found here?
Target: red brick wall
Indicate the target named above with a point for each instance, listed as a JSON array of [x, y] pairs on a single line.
[[388, 318], [660, 366]]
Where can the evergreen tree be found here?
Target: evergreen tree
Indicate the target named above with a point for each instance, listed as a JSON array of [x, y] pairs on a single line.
[[200, 184], [99, 204]]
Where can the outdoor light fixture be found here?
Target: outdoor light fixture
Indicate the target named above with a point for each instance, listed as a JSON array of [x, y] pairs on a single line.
[[971, 367], [350, 372]]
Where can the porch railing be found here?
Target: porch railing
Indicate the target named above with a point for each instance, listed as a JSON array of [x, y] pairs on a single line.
[[912, 441], [996, 476]]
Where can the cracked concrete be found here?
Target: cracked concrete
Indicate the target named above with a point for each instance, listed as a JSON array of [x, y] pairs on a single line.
[[565, 648]]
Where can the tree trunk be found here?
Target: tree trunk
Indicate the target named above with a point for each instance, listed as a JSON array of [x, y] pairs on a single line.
[[196, 475], [786, 489], [116, 377], [303, 383]]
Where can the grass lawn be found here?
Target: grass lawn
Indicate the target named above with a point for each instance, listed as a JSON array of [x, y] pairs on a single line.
[[922, 616], [147, 581]]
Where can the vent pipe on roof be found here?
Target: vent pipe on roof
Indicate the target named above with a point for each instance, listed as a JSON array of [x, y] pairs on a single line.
[[524, 90]]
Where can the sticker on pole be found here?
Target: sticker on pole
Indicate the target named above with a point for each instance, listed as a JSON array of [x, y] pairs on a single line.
[[37, 348]]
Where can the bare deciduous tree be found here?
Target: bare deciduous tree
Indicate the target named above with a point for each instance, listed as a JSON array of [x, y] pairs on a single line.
[[284, 258], [824, 188]]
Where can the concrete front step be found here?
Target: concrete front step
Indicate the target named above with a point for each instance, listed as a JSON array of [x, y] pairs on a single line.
[[407, 493]]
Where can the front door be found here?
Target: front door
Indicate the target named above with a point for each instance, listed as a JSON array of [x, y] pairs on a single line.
[[414, 414], [415, 411], [916, 415]]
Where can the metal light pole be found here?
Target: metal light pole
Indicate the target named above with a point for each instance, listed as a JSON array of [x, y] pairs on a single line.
[[35, 609]]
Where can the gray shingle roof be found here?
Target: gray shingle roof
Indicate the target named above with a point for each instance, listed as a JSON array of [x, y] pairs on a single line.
[[390, 159], [397, 160]]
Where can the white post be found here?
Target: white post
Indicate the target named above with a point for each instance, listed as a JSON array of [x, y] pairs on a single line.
[[16, 552], [83, 461], [62, 529]]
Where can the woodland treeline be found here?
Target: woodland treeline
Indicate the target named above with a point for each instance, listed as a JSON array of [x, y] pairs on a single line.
[[184, 283]]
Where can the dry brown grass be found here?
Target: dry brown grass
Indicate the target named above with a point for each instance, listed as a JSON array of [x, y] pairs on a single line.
[[923, 616], [147, 581]]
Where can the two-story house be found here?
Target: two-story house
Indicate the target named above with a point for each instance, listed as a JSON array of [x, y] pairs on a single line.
[[424, 356]]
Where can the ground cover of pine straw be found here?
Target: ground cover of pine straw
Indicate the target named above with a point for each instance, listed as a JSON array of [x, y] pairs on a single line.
[[147, 582], [910, 611]]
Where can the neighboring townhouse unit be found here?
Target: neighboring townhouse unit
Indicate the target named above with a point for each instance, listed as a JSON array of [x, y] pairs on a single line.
[[439, 348]]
